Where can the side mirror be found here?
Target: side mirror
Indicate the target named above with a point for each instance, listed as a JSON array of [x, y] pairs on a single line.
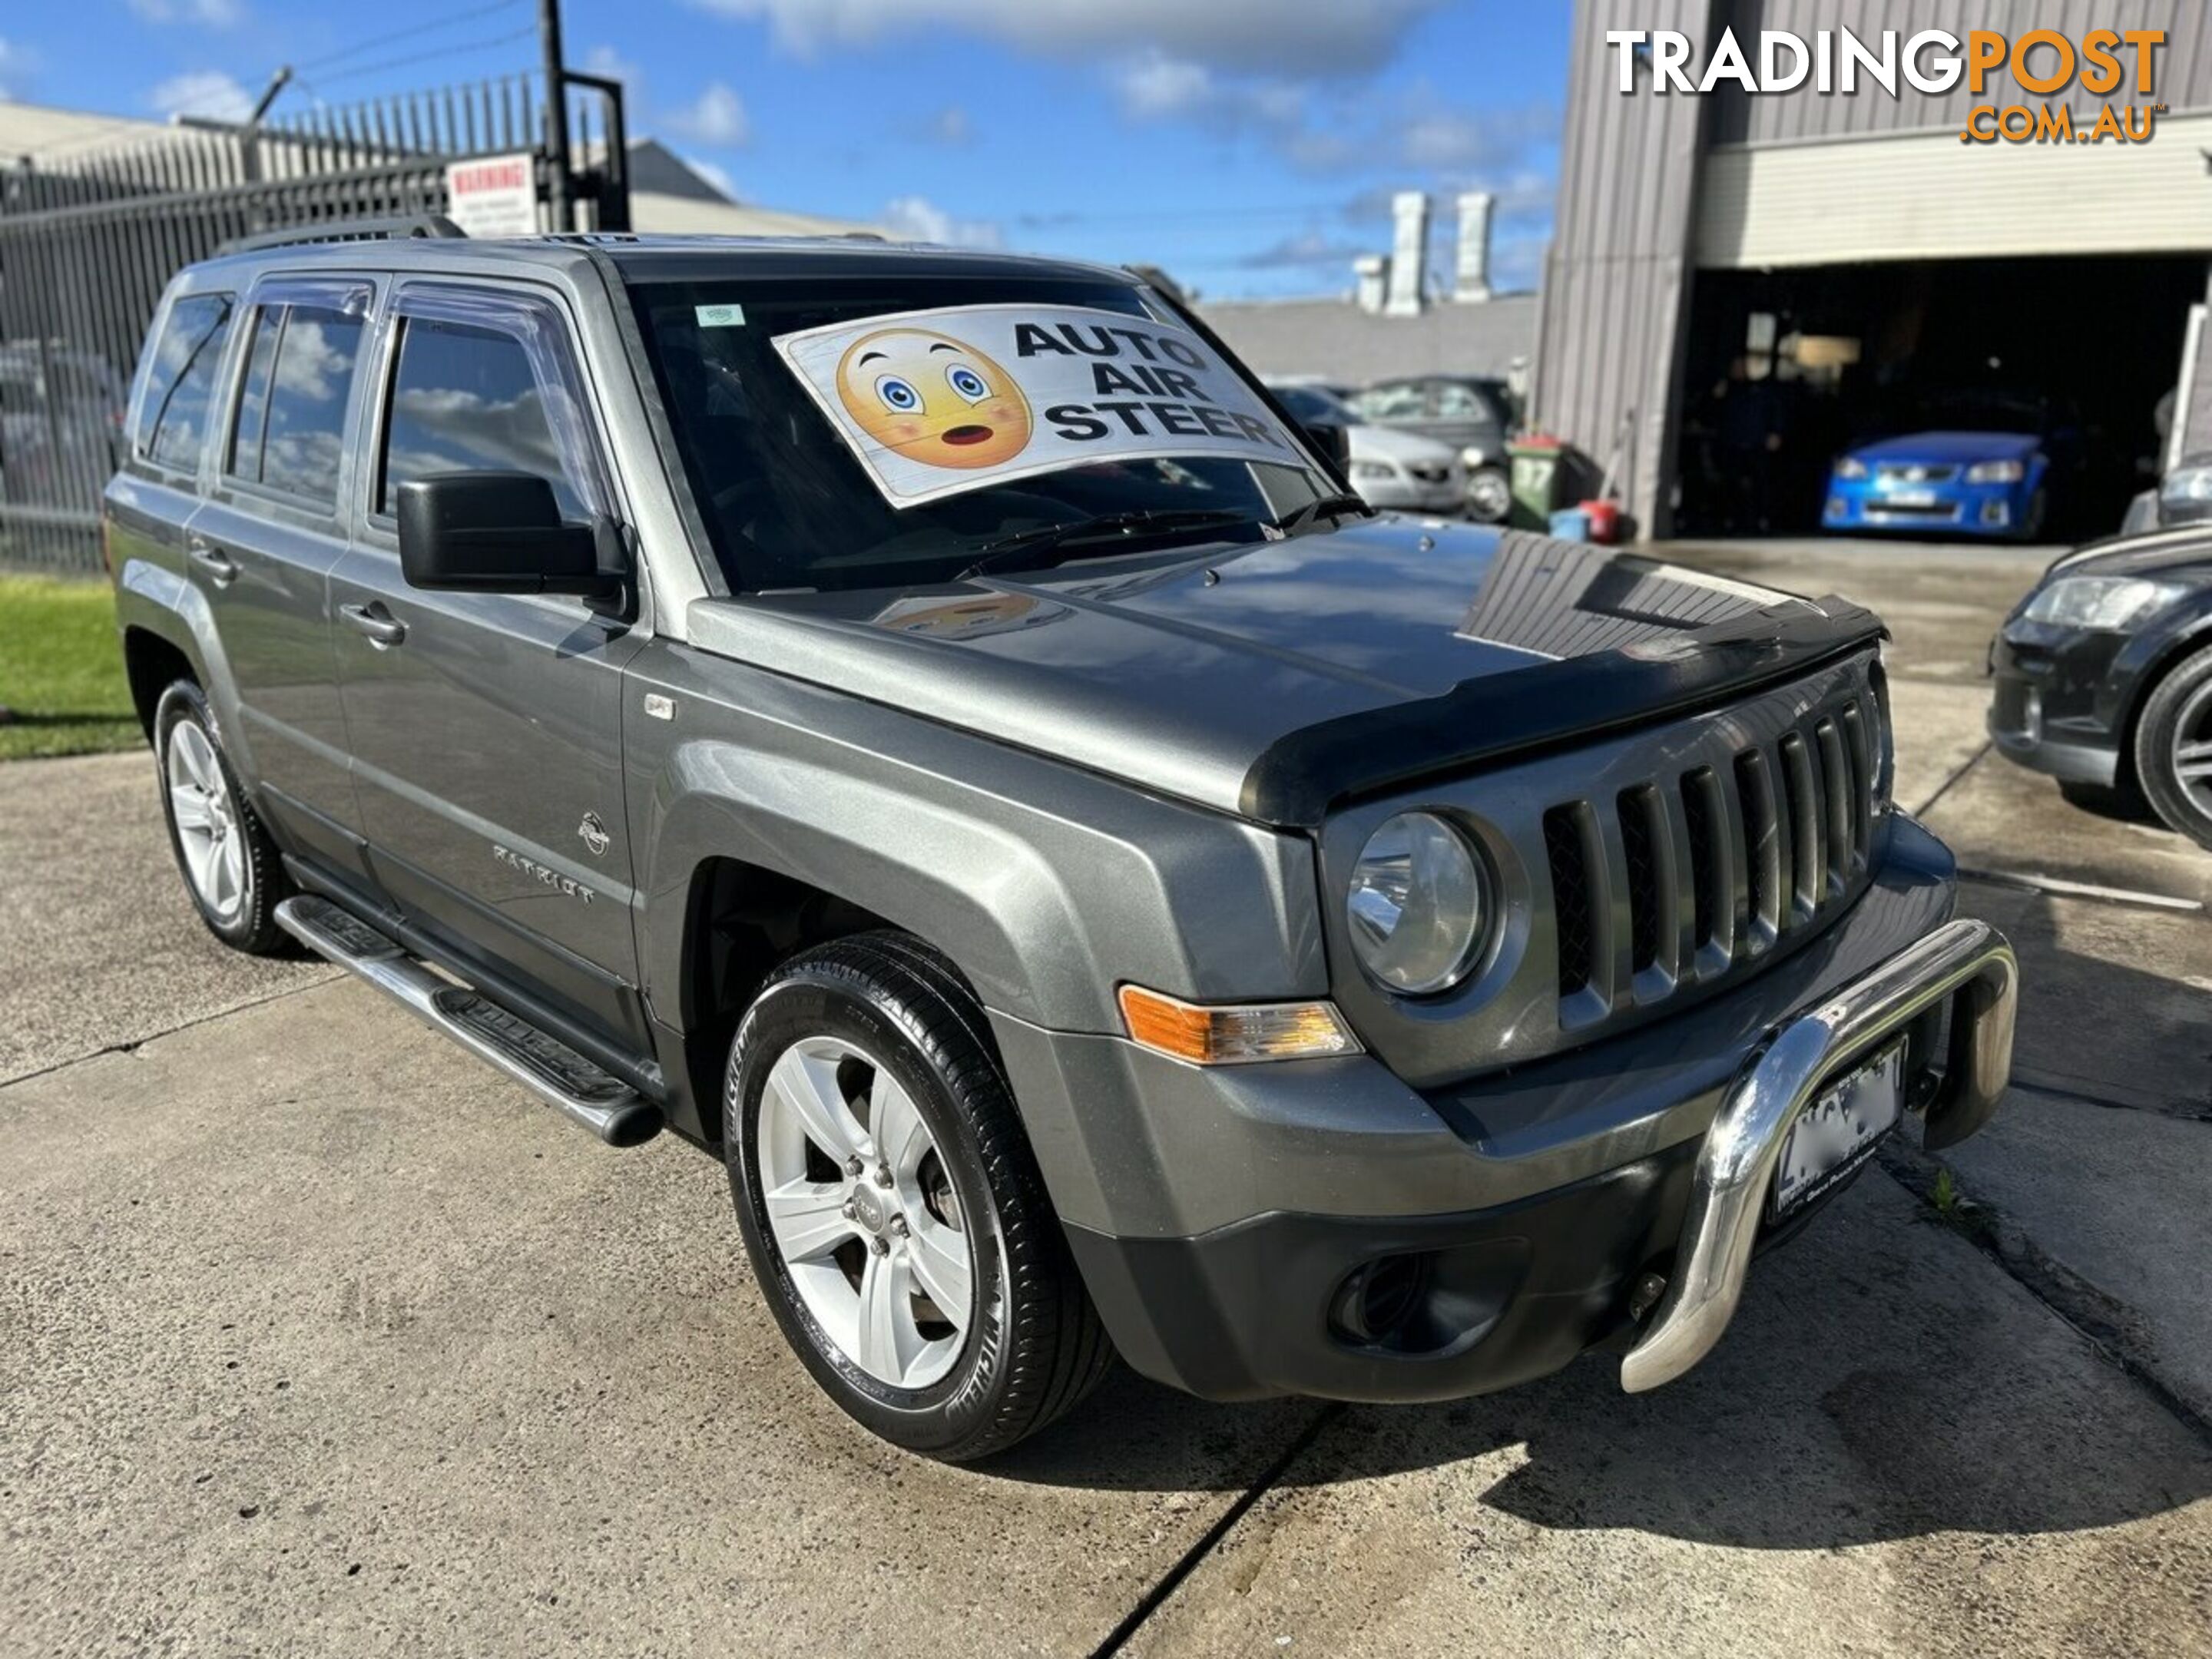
[[496, 532], [1333, 441]]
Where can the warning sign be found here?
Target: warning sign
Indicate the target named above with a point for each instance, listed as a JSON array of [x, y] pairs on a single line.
[[496, 195]]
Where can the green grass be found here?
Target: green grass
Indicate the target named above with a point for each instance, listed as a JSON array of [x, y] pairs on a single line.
[[61, 671]]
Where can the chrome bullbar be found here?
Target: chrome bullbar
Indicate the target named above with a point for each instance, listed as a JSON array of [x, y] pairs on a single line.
[[1967, 963]]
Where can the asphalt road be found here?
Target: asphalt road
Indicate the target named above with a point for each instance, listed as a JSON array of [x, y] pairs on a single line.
[[316, 1336]]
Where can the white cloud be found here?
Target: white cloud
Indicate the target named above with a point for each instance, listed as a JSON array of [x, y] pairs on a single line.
[[209, 14], [917, 219], [716, 118], [17, 64], [1445, 139], [1249, 35], [605, 61], [202, 91], [1306, 250], [1156, 86], [950, 126]]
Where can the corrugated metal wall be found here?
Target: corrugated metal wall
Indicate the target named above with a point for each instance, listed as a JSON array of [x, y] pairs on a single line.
[[1608, 337], [2184, 64]]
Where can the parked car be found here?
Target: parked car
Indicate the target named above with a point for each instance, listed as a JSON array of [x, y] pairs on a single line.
[[1976, 483], [1094, 886], [1471, 414], [1389, 468], [1985, 462], [2103, 674]]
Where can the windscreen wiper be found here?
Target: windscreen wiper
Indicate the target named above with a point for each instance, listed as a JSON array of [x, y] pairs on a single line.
[[1333, 507], [1013, 551]]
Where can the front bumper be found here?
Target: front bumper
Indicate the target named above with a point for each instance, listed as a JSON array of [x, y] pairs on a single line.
[[2056, 704], [1953, 508], [1222, 1217]]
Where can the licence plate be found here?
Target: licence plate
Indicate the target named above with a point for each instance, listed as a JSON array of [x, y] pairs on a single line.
[[1839, 1130], [1923, 500]]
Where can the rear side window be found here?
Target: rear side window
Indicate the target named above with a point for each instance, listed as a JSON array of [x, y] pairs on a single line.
[[1458, 401], [312, 381], [173, 413], [1403, 400], [466, 398]]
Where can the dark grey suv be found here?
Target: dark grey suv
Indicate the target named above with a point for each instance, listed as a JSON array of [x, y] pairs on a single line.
[[926, 728]]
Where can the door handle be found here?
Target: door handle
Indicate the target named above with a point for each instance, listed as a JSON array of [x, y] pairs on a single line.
[[221, 569], [384, 630]]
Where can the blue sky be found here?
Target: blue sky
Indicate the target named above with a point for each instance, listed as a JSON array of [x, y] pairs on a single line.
[[1249, 146]]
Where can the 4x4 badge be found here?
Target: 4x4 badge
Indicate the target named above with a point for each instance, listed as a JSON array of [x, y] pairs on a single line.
[[594, 833]]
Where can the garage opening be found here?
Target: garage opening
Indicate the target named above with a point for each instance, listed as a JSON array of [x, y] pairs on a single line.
[[1787, 370]]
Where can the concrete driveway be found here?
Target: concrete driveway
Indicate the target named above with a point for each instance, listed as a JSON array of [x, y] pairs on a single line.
[[316, 1336]]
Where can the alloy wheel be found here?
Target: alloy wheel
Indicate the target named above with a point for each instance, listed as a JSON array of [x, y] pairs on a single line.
[[1489, 497], [864, 1212], [2192, 749], [208, 829]]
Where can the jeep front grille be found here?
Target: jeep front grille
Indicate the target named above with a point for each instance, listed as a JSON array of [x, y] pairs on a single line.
[[1684, 875]]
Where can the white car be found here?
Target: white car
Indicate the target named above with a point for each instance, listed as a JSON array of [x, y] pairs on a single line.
[[1389, 468]]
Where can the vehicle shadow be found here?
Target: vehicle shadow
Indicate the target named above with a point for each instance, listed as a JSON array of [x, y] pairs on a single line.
[[1882, 1381]]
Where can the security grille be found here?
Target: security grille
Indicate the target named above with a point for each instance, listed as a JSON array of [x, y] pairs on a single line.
[[89, 238]]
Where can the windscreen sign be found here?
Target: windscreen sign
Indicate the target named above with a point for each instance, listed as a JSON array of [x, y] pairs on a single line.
[[934, 403]]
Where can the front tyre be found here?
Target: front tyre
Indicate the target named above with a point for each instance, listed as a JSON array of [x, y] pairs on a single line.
[[2173, 748], [1489, 495], [231, 868], [892, 1208]]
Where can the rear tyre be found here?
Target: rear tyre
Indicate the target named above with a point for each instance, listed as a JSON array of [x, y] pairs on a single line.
[[232, 870], [2173, 748], [1489, 495], [892, 1208]]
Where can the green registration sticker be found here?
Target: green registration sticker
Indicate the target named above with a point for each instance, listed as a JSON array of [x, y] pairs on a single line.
[[721, 316]]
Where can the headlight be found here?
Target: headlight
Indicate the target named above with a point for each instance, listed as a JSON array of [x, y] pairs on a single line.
[[1850, 467], [2112, 602], [1996, 472], [1373, 469], [1419, 907], [1472, 458]]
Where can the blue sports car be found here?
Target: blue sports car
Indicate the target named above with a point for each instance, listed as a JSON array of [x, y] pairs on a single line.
[[1978, 484]]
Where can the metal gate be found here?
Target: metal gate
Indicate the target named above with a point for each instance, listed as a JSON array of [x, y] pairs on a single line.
[[89, 242]]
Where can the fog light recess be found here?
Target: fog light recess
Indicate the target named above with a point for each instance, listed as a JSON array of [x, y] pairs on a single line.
[[1376, 1301]]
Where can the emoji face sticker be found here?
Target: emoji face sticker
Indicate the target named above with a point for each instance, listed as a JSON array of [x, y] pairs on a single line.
[[931, 398]]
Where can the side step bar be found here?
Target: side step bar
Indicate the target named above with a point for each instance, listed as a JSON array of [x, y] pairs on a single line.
[[549, 1068]]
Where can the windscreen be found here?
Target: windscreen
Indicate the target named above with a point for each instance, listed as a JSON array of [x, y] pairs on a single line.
[[856, 432]]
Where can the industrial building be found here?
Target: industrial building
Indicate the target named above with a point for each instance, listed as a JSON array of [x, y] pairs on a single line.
[[1743, 283]]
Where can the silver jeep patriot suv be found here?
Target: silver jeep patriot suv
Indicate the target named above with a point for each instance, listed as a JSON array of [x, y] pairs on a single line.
[[928, 729]]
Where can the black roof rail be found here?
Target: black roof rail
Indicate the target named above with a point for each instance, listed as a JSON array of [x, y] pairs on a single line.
[[345, 230]]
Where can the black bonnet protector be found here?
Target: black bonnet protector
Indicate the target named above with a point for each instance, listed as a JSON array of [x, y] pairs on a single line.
[[1301, 775]]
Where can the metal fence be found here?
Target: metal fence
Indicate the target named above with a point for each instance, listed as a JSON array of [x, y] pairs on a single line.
[[88, 241]]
